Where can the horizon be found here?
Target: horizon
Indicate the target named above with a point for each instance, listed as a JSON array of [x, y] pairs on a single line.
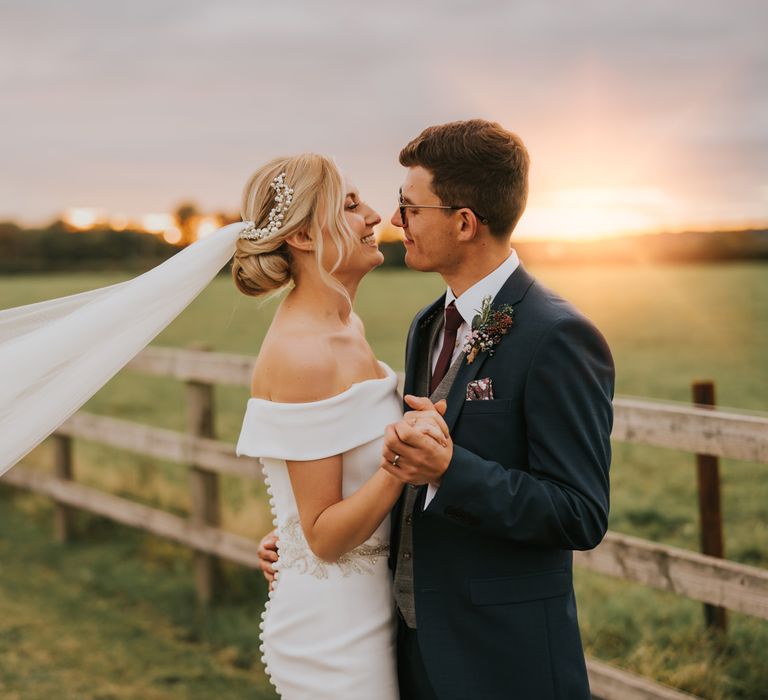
[[166, 226]]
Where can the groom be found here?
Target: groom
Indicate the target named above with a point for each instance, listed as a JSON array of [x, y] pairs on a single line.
[[482, 537]]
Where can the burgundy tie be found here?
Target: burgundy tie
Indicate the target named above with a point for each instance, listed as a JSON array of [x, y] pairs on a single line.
[[453, 321]]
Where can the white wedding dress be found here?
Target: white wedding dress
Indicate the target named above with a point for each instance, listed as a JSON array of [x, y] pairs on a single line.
[[328, 630]]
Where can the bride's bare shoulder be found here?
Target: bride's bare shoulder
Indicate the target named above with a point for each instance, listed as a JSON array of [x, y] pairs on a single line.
[[296, 366]]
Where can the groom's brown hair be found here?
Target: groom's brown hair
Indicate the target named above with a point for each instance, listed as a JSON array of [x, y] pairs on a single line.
[[476, 164]]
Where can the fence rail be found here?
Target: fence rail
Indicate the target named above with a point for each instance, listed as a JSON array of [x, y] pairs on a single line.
[[701, 430], [692, 429], [202, 538], [697, 576], [213, 455]]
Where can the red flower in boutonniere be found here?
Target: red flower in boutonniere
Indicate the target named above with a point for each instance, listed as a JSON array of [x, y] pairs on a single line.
[[488, 328]]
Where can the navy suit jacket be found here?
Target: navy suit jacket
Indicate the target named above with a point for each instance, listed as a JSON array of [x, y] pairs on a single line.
[[527, 484]]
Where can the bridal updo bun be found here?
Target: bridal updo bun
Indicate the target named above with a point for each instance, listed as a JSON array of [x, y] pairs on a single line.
[[258, 271], [264, 265]]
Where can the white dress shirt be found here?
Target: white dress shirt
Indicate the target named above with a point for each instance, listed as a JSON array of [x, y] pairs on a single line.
[[468, 305]]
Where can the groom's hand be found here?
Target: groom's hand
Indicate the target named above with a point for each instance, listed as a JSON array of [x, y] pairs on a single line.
[[268, 555], [422, 441], [428, 417]]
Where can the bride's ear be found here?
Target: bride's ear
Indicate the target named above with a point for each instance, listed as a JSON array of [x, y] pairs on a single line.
[[300, 242]]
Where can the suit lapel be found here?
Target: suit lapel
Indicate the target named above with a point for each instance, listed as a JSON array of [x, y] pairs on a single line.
[[513, 292], [415, 348]]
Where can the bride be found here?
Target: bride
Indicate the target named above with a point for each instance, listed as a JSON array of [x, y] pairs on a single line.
[[320, 404], [319, 407]]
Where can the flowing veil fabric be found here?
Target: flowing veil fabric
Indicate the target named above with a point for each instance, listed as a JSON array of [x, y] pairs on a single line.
[[54, 355]]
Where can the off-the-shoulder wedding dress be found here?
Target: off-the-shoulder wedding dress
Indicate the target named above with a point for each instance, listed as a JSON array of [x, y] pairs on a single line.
[[328, 630]]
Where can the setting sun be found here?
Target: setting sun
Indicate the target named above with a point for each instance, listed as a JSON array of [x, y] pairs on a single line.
[[590, 213]]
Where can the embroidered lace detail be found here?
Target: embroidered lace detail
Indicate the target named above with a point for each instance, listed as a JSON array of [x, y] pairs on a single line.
[[295, 553]]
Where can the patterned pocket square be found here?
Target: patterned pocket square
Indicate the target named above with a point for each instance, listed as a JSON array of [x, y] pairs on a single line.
[[480, 390]]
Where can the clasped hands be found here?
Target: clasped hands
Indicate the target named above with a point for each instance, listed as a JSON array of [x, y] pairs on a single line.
[[418, 448]]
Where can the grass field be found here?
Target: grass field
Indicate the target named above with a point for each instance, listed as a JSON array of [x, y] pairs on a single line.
[[113, 615]]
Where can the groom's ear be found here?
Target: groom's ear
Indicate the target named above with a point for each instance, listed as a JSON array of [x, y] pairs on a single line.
[[467, 225], [300, 241]]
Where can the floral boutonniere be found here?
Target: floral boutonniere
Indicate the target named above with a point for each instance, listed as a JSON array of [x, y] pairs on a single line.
[[488, 327]]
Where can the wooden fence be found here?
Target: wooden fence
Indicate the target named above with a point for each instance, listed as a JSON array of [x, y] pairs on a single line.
[[704, 431]]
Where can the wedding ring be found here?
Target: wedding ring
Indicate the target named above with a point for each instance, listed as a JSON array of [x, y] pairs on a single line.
[[395, 460]]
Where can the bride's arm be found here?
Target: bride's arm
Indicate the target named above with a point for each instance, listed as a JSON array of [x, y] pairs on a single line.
[[334, 525]]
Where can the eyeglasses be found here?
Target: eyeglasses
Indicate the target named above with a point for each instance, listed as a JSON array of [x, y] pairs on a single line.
[[403, 206]]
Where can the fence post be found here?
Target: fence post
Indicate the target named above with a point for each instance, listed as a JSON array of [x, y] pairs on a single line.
[[204, 486], [710, 514], [62, 464]]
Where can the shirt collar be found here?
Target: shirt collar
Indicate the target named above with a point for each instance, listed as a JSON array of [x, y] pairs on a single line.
[[469, 303]]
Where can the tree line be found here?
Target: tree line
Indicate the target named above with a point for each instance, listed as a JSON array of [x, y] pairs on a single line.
[[56, 248]]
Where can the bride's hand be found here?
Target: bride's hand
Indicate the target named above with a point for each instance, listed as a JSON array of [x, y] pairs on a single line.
[[428, 421]]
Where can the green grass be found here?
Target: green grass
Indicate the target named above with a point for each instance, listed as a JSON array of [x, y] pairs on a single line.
[[129, 599], [111, 616]]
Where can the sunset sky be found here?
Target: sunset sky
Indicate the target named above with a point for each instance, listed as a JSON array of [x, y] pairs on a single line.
[[639, 116]]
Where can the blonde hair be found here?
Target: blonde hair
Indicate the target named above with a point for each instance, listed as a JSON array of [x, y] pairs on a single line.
[[264, 265]]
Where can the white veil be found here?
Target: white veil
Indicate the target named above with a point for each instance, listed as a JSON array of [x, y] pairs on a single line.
[[56, 354]]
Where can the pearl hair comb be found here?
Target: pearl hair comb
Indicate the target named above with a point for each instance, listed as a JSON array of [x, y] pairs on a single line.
[[283, 199]]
